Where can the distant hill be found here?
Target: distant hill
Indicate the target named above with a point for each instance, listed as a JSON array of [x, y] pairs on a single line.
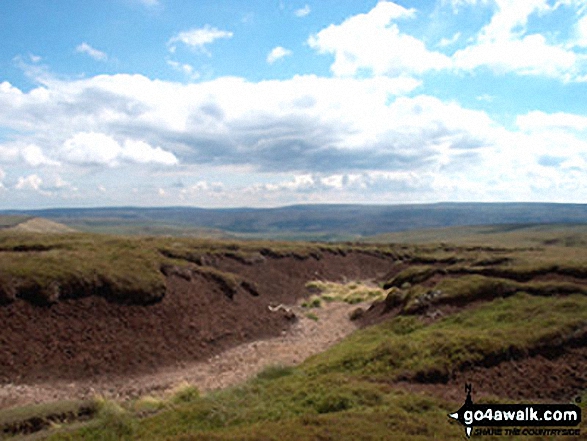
[[9, 221], [40, 225], [321, 222]]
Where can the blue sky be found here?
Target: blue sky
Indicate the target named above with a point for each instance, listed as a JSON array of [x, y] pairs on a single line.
[[267, 103]]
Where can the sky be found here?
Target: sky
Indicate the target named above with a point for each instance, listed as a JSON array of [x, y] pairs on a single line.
[[268, 103]]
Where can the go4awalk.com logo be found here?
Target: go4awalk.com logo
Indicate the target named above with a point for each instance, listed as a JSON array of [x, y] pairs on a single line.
[[519, 419]]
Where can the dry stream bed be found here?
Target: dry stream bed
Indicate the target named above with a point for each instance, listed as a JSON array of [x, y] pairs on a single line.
[[306, 337]]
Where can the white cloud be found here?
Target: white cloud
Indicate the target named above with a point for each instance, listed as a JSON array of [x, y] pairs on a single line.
[[61, 183], [31, 182], [530, 55], [97, 55], [303, 12], [444, 42], [306, 138], [511, 18], [89, 148], [198, 38], [185, 68], [504, 45], [34, 156], [202, 187], [140, 152], [581, 32], [372, 41], [541, 121], [277, 53]]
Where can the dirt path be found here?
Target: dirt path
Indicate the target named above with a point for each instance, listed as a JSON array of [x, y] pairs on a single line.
[[306, 337]]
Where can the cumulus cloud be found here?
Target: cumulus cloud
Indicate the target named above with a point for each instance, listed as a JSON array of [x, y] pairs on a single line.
[[97, 55], [331, 139], [581, 32], [31, 182], [277, 53], [302, 124], [205, 189], [541, 121], [303, 12], [89, 148], [504, 45], [140, 152], [185, 68], [34, 156], [60, 183], [373, 44], [529, 55], [198, 38], [373, 41]]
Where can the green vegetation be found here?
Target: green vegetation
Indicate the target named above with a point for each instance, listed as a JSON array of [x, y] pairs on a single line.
[[44, 268], [466, 289], [352, 292], [333, 222], [185, 393], [8, 221], [519, 297], [513, 235], [29, 419], [412, 275], [347, 392], [405, 348], [312, 316]]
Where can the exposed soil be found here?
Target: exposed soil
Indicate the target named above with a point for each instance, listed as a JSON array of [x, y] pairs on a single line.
[[304, 338], [537, 378], [554, 373], [89, 339], [201, 334]]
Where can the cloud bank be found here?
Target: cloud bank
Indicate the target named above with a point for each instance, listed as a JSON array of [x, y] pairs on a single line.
[[369, 132]]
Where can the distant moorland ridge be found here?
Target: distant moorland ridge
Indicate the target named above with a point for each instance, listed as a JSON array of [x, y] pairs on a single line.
[[319, 220]]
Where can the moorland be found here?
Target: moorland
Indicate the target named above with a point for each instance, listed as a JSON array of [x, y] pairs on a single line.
[[327, 222], [502, 307]]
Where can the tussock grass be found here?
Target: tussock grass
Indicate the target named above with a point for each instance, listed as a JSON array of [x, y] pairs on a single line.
[[185, 393], [274, 372], [346, 392], [148, 404], [115, 422], [29, 419], [466, 289], [406, 348], [412, 275], [352, 292], [43, 268]]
